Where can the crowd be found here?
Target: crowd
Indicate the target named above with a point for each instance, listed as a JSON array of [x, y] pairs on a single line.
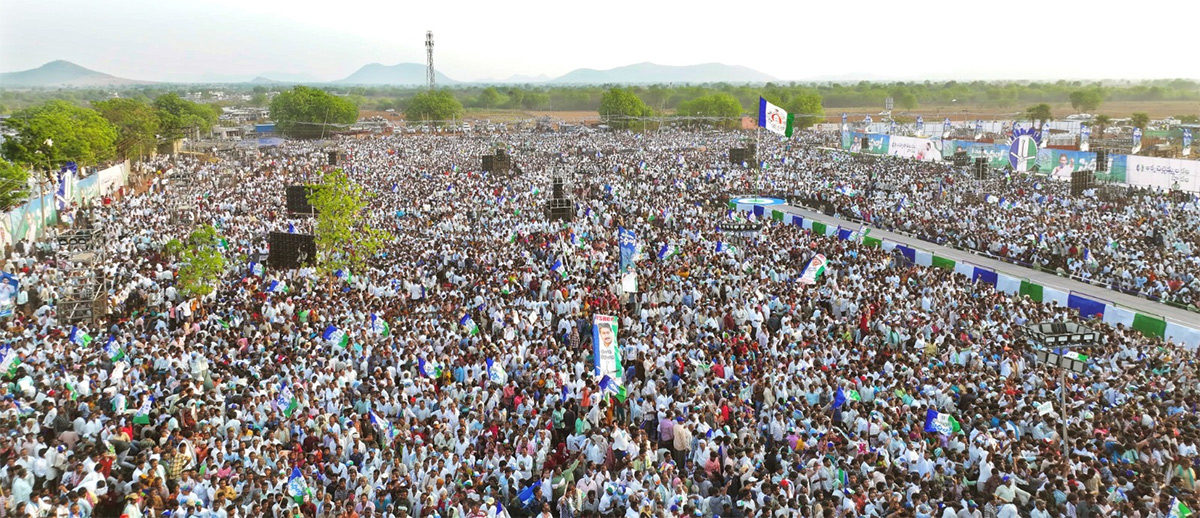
[[459, 379]]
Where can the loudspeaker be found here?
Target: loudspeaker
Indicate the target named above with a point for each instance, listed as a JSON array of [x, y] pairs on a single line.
[[290, 251], [866, 144], [1081, 181], [961, 159], [297, 199], [736, 155], [489, 162], [1101, 160], [981, 168], [751, 153], [560, 209], [558, 188], [334, 157]]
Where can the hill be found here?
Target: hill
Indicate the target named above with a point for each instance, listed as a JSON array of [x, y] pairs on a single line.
[[647, 73], [401, 74], [61, 73]]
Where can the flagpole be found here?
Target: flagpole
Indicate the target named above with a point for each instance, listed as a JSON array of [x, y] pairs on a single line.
[[760, 173]]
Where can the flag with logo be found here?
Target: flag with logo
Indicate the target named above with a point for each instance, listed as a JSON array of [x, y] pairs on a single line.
[[142, 416], [496, 373], [920, 125], [380, 326], [1178, 509], [614, 387], [937, 422], [774, 119], [946, 127], [113, 350], [9, 362], [384, 426], [344, 275], [297, 487], [256, 269], [79, 337], [277, 287], [286, 401], [627, 244], [469, 324], [335, 336], [813, 271], [558, 268]]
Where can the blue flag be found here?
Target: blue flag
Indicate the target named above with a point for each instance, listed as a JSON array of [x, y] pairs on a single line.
[[839, 398], [627, 242]]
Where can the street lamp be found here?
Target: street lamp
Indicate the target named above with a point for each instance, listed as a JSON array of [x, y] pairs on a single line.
[[1055, 340]]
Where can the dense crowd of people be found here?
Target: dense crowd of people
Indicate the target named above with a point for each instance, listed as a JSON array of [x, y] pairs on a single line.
[[459, 377]]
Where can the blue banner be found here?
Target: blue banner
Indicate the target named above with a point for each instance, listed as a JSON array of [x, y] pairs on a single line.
[[627, 242], [920, 125], [946, 126]]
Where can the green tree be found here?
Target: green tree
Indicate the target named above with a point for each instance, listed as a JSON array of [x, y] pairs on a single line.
[[345, 238], [490, 98], [136, 123], [201, 261], [720, 105], [805, 107], [905, 99], [438, 105], [1086, 100], [1102, 121], [1039, 112], [58, 131], [14, 184], [1139, 120], [179, 117], [304, 112], [259, 99], [617, 105]]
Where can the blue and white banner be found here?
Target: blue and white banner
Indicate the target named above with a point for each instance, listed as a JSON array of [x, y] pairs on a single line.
[[1085, 134], [978, 129], [604, 348], [946, 127], [627, 241], [920, 125], [9, 286], [1187, 142], [1137, 140]]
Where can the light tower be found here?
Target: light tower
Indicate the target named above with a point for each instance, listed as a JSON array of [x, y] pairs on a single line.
[[429, 58]]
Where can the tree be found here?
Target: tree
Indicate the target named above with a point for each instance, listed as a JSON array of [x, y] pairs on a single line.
[[905, 99], [179, 118], [1139, 120], [136, 123], [438, 105], [58, 131], [719, 105], [201, 261], [1102, 121], [622, 104], [1086, 100], [490, 98], [805, 108], [344, 237], [304, 112], [259, 99], [14, 184], [1039, 112]]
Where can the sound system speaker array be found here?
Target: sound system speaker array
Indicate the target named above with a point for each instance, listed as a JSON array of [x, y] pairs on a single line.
[[747, 155], [297, 199], [500, 162], [866, 144], [334, 157], [1081, 181], [961, 159], [981, 168], [289, 251], [1101, 160]]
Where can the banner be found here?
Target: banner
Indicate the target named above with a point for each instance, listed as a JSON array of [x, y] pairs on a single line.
[[813, 271], [604, 347], [1116, 170], [920, 125], [1187, 141], [1085, 134], [878, 143], [997, 154], [9, 287], [1137, 140], [1163, 173], [847, 140], [946, 127], [1060, 163], [912, 147], [627, 242]]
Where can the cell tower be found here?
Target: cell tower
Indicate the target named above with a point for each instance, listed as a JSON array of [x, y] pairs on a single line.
[[429, 58]]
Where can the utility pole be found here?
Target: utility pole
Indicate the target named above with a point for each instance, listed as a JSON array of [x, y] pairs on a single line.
[[429, 59]]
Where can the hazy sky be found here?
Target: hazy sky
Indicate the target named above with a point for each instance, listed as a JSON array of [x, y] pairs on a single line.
[[171, 40]]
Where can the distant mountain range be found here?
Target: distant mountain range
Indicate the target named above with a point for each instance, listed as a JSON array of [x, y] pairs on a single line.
[[400, 75], [650, 73], [67, 74], [62, 73]]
